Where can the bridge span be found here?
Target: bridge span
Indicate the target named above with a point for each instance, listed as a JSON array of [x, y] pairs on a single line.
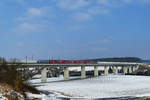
[[126, 66]]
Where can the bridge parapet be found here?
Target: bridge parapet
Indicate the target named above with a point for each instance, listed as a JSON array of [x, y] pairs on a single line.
[[78, 65]]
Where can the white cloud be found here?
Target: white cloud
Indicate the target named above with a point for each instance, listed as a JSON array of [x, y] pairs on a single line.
[[98, 10], [81, 16], [81, 11], [72, 4], [118, 3], [104, 2], [41, 11], [20, 1], [26, 28], [35, 12], [113, 3], [33, 20]]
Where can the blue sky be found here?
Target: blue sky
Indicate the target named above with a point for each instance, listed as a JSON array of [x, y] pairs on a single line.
[[74, 29]]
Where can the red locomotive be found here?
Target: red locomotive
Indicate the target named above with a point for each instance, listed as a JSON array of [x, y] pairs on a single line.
[[66, 61]]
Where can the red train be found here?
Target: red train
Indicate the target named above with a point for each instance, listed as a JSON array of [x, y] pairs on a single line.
[[66, 61]]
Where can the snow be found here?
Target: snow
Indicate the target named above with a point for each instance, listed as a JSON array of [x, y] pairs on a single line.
[[88, 68], [31, 96], [100, 87], [5, 91], [79, 68], [37, 76], [53, 79], [2, 97]]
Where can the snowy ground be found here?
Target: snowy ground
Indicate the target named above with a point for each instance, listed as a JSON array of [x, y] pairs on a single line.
[[2, 97], [99, 87], [54, 79]]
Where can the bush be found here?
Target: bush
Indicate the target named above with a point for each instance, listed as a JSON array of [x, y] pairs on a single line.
[[11, 76]]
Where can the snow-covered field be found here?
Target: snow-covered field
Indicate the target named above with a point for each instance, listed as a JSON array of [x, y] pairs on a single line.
[[100, 87]]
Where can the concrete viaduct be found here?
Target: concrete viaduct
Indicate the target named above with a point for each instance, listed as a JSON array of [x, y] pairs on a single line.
[[127, 68]]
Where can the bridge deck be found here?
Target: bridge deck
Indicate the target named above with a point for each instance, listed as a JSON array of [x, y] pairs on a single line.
[[74, 65]]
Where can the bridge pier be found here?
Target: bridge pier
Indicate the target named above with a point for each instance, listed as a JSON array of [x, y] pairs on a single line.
[[66, 73], [44, 75], [83, 72], [125, 70], [130, 69], [106, 69], [115, 70], [137, 67], [134, 68], [96, 71], [49, 74]]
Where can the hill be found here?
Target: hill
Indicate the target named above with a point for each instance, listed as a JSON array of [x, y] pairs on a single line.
[[146, 61]]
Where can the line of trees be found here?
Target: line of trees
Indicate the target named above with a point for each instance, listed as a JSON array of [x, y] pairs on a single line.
[[119, 59]]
